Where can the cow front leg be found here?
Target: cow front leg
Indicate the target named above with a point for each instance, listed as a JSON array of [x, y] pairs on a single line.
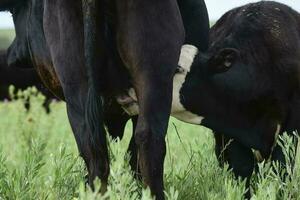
[[92, 149]]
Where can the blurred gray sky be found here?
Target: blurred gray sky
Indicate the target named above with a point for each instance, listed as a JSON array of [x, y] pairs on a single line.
[[216, 9]]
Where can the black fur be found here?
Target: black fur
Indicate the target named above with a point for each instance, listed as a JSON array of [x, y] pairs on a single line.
[[248, 80], [95, 63]]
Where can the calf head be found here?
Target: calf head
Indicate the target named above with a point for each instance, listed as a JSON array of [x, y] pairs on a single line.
[[222, 79], [233, 93]]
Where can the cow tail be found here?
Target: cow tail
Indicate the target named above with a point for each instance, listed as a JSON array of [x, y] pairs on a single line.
[[95, 61]]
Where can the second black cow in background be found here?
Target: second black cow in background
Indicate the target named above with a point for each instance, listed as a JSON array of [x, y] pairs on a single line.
[[21, 79]]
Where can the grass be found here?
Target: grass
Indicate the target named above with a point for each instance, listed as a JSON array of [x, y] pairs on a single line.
[[39, 160], [6, 37]]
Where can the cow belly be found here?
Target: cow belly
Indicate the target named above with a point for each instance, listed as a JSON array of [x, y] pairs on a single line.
[[132, 109], [130, 104]]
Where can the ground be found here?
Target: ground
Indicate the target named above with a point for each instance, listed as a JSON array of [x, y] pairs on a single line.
[[6, 36]]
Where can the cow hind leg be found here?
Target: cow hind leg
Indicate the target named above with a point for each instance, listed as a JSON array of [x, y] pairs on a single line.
[[78, 75], [151, 130], [151, 58]]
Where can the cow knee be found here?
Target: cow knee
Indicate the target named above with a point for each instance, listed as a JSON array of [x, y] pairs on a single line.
[[145, 138]]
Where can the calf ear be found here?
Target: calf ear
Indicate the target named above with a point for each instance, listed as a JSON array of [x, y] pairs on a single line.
[[223, 60]]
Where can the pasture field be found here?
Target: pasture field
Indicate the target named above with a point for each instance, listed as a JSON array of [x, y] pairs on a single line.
[[6, 37], [39, 160]]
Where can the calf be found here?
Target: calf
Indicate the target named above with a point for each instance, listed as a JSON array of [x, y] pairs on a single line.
[[246, 85], [248, 82]]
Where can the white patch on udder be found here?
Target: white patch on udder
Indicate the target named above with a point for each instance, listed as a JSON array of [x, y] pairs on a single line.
[[188, 53], [187, 56]]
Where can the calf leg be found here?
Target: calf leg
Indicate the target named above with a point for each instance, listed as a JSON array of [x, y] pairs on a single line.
[[239, 158]]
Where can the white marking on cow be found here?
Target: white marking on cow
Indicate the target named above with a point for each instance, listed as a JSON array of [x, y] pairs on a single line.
[[188, 53], [187, 56]]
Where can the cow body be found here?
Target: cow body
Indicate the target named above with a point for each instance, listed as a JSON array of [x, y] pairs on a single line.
[[132, 46]]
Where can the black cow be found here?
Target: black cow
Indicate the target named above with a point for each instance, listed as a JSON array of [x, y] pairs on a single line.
[[136, 41], [21, 79]]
